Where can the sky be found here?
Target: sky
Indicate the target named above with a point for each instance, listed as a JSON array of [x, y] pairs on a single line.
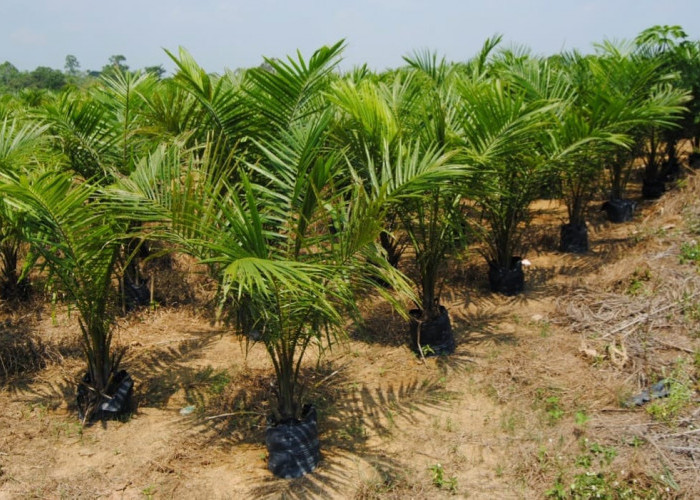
[[233, 34]]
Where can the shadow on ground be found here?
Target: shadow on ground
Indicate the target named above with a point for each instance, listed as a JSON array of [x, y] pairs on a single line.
[[349, 413]]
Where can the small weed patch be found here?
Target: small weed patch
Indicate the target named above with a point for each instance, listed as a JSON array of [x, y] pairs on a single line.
[[441, 481], [592, 477], [690, 253], [680, 396]]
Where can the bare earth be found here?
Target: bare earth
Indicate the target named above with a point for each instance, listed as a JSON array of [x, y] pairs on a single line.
[[535, 382]]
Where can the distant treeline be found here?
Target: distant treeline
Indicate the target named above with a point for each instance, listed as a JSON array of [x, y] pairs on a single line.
[[45, 78]]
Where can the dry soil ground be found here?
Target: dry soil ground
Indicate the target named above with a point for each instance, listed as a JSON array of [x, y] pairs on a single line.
[[528, 406]]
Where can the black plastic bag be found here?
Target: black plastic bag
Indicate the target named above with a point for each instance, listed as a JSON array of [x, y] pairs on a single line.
[[293, 445], [653, 189], [574, 238], [118, 404], [619, 210], [136, 295], [508, 281], [436, 333]]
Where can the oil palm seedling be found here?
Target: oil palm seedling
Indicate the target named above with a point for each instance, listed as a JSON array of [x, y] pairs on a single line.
[[435, 227], [287, 280], [78, 239], [125, 96], [291, 237], [373, 117], [585, 130], [636, 84], [502, 133], [380, 122], [20, 145], [669, 46], [435, 224]]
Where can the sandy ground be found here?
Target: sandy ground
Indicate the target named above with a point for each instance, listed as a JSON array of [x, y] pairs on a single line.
[[498, 419]]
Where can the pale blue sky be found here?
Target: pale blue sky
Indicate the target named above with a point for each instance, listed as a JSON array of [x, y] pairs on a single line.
[[233, 34]]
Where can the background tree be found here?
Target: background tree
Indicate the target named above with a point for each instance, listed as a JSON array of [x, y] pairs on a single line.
[[9, 76], [158, 71], [117, 63], [72, 66]]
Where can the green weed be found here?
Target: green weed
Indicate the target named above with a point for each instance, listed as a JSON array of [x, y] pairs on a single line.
[[581, 418], [353, 431], [594, 481], [605, 453], [553, 409], [639, 277], [547, 400], [442, 482], [690, 253], [149, 491], [427, 350], [593, 485], [680, 387]]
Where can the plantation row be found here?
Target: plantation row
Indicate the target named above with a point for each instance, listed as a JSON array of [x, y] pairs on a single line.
[[299, 188]]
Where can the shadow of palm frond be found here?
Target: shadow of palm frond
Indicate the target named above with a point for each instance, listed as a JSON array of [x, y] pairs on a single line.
[[578, 264], [24, 353], [160, 373], [331, 478], [349, 414], [381, 410], [458, 362], [346, 422], [382, 326], [50, 394], [542, 239], [483, 325]]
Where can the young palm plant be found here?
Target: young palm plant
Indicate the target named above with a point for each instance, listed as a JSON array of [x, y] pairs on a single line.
[[434, 224], [583, 132], [638, 85], [292, 238], [380, 123], [77, 237], [502, 132], [20, 144], [373, 118], [287, 279], [665, 44]]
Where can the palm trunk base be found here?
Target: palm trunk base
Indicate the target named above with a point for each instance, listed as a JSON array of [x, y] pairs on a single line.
[[652, 189], [694, 160], [15, 290]]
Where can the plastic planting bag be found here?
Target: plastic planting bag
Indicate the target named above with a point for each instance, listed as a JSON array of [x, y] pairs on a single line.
[[293, 445]]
